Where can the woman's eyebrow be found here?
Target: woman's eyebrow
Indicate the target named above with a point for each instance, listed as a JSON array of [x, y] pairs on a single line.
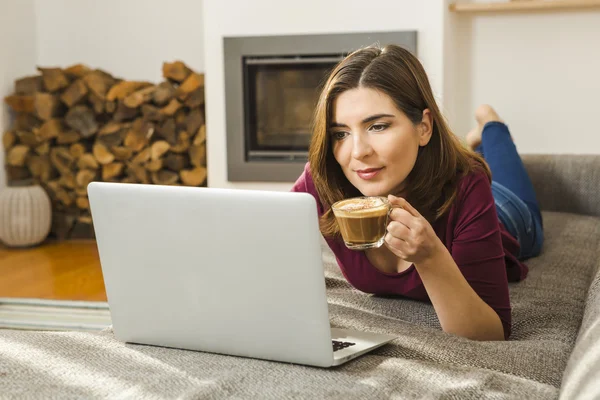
[[364, 121]]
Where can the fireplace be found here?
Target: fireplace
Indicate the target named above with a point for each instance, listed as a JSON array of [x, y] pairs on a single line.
[[272, 85]]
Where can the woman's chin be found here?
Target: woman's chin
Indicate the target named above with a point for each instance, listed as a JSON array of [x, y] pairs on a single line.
[[372, 190]]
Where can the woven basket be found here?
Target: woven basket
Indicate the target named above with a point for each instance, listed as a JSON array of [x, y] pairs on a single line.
[[25, 215]]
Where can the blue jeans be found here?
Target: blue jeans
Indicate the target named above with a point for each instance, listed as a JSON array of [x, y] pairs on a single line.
[[515, 199]]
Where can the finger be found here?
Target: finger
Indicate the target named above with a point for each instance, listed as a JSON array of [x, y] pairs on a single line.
[[397, 246], [402, 216], [398, 230], [401, 202]]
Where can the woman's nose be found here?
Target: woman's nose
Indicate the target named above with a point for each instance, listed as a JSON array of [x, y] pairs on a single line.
[[361, 147]]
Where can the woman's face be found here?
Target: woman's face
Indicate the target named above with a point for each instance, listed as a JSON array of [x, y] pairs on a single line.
[[375, 143]]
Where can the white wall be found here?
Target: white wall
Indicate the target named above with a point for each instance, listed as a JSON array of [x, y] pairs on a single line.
[[274, 17], [17, 55], [128, 38], [540, 70]]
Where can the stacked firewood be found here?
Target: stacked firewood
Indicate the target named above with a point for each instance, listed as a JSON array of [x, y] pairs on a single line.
[[76, 125]]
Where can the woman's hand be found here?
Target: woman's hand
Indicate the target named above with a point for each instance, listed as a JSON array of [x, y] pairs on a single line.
[[409, 235]]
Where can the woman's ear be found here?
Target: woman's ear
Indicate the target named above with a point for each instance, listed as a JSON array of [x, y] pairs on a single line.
[[425, 128]]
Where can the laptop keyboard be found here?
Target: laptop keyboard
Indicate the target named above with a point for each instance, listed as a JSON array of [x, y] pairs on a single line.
[[337, 345]]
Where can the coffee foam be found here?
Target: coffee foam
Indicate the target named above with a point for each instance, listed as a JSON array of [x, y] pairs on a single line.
[[362, 207]]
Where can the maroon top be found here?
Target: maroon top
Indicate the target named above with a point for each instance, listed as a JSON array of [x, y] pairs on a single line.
[[484, 251]]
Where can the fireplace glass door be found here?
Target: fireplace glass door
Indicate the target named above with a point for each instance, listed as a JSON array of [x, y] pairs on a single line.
[[281, 94]]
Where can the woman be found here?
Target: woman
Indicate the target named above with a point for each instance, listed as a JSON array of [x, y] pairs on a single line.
[[454, 238]]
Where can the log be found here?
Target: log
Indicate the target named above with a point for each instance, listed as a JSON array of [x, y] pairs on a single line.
[[82, 202], [113, 134], [40, 167], [124, 89], [47, 106], [43, 149], [9, 139], [167, 131], [68, 137], [83, 120], [121, 153], [84, 177], [81, 191], [183, 143], [98, 82], [67, 180], [129, 179], [163, 94], [102, 155], [123, 113], [98, 105], [29, 85], [138, 172], [171, 108], [17, 155], [158, 149], [143, 156], [26, 122], [194, 120], [77, 71], [62, 160], [193, 177], [139, 134], [176, 71], [77, 150], [195, 99], [111, 127], [60, 193], [112, 170], [180, 119], [29, 139], [54, 79], [110, 107], [74, 93], [50, 129], [21, 103], [200, 136], [152, 113], [154, 165], [164, 177], [87, 161], [175, 162], [139, 97], [16, 174], [193, 82]]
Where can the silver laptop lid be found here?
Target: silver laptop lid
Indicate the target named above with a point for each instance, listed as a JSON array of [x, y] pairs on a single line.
[[228, 271]]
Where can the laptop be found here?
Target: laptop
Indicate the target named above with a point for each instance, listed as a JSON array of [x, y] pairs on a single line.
[[228, 271]]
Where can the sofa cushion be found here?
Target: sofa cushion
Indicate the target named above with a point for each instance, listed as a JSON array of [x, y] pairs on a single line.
[[547, 310], [423, 362], [581, 379]]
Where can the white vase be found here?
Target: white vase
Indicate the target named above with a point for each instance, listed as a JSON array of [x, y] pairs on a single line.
[[25, 215]]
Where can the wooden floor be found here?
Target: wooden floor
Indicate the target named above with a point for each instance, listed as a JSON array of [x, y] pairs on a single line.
[[67, 270]]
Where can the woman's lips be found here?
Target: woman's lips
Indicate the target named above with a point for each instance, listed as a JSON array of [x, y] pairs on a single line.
[[368, 173]]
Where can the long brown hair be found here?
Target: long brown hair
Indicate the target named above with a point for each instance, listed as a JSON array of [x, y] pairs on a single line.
[[432, 184]]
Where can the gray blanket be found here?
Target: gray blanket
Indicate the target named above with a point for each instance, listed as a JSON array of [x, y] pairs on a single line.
[[423, 362]]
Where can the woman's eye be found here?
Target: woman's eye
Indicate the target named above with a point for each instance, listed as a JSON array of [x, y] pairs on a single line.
[[379, 127], [339, 135]]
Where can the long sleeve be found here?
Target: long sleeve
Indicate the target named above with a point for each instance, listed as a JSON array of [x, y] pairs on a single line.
[[477, 247]]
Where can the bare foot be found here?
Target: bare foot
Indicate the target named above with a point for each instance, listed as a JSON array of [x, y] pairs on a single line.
[[483, 114]]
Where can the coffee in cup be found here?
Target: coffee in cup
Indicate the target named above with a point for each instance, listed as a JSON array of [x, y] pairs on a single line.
[[362, 221]]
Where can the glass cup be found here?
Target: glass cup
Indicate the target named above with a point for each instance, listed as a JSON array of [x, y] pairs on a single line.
[[362, 221]]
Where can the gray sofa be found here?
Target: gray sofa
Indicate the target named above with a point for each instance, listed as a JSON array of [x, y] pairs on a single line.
[[554, 350]]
